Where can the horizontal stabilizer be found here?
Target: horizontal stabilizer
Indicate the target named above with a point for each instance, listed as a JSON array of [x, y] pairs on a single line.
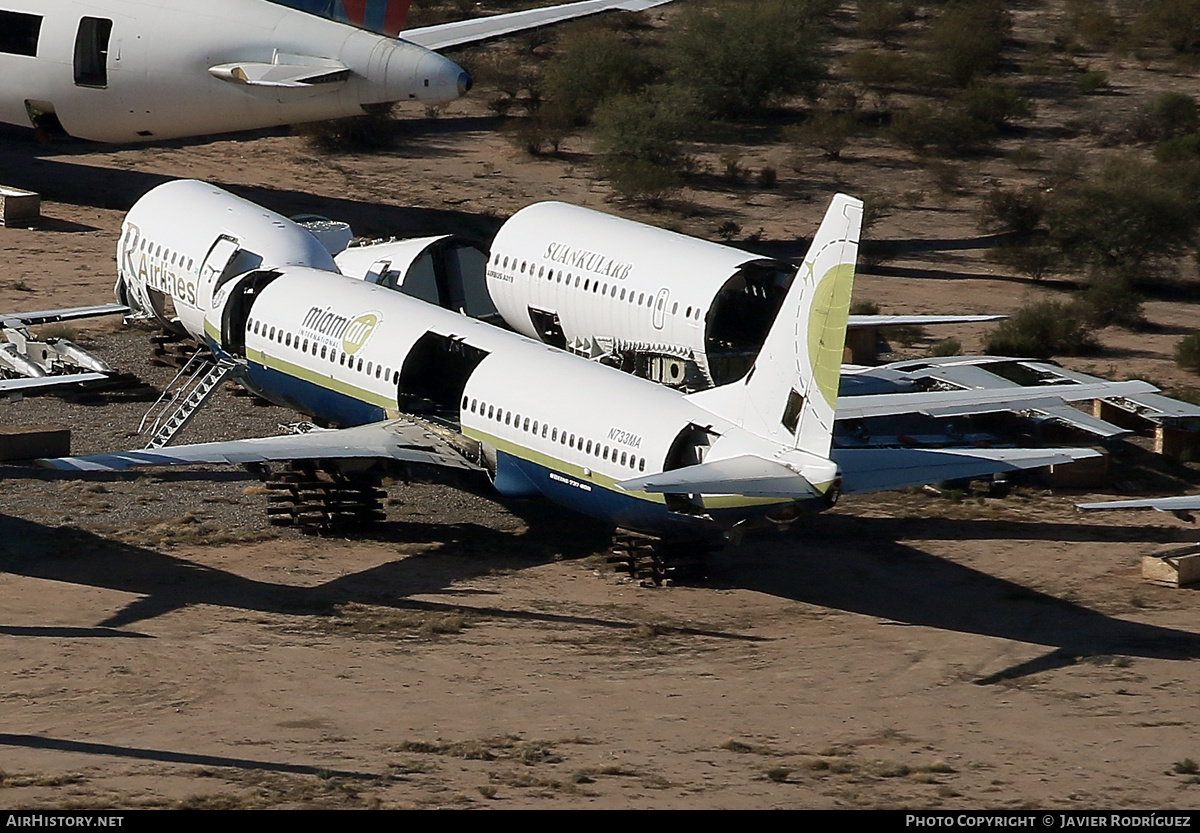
[[462, 32], [52, 316], [918, 320], [958, 402], [880, 469], [745, 475], [399, 440], [284, 71], [1180, 503]]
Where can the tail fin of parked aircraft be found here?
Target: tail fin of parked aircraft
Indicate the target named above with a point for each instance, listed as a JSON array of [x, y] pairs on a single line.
[[791, 392]]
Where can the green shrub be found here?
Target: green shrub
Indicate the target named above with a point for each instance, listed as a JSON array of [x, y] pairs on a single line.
[[1187, 352], [946, 347], [742, 57], [967, 38], [1174, 114], [881, 20], [1092, 82], [1110, 300], [640, 140], [592, 65], [1012, 211], [826, 130], [1122, 219], [995, 104], [879, 68], [946, 128], [1042, 330]]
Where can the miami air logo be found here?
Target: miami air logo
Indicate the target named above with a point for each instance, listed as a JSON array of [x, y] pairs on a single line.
[[358, 332]]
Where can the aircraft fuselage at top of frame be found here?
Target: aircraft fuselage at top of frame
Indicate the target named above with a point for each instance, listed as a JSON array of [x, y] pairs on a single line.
[[143, 70], [139, 70]]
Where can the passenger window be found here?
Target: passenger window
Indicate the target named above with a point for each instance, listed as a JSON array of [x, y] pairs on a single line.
[[323, 349], [91, 52], [465, 403], [588, 450], [624, 455], [490, 411], [642, 464], [19, 33], [622, 294], [525, 425], [508, 418]]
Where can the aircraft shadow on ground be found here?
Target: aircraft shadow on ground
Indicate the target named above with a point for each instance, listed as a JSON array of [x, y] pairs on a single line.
[[882, 578], [903, 586], [165, 583], [169, 756], [61, 179]]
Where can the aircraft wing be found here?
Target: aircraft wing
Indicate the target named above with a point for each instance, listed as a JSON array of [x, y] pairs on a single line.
[[27, 383], [464, 32], [396, 439], [52, 316], [881, 469], [963, 402], [918, 320], [1180, 503]]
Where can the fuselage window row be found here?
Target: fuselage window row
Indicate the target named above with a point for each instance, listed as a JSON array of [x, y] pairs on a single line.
[[530, 425]]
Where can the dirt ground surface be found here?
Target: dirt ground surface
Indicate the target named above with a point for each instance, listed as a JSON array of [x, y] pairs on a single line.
[[162, 646]]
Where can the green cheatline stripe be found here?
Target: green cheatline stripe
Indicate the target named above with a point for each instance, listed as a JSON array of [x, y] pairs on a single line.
[[336, 385]]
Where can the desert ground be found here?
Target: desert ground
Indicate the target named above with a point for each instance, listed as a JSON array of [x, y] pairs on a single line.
[[163, 646]]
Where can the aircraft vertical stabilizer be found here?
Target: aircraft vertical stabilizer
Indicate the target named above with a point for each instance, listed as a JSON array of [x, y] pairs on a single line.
[[790, 394]]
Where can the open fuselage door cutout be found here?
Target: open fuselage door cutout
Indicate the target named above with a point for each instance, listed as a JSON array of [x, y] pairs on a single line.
[[548, 327], [434, 375]]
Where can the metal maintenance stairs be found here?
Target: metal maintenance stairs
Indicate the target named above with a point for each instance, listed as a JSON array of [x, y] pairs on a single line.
[[188, 391]]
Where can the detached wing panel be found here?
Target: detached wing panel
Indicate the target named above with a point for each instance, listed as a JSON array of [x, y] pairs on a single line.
[[47, 382], [464, 32], [392, 440], [918, 320], [33, 319], [960, 402], [881, 469], [1181, 503]]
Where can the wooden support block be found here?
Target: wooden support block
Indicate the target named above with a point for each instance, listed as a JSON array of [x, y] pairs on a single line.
[[28, 442], [1175, 443], [1118, 416], [1174, 567], [19, 208], [1079, 474], [860, 345]]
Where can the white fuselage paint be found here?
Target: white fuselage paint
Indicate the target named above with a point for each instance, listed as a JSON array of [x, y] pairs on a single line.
[[336, 347], [609, 277], [162, 252], [160, 52], [574, 422]]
